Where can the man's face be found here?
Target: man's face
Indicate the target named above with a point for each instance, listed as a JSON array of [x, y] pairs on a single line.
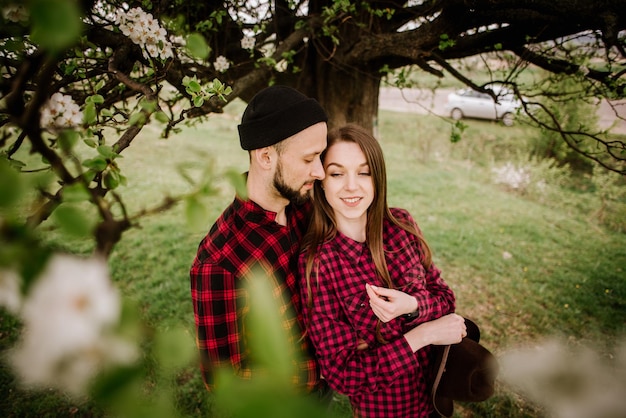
[[299, 163]]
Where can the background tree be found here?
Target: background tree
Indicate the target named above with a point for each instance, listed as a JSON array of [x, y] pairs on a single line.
[[81, 79], [88, 73]]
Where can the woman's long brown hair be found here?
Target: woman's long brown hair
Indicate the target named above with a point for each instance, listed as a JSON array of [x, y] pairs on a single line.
[[323, 225]]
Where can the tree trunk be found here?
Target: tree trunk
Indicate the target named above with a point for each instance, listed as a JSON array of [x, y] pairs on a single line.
[[347, 96]]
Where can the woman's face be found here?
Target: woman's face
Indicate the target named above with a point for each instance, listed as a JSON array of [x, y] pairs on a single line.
[[348, 184]]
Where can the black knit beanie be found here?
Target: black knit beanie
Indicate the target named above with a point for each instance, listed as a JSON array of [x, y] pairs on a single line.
[[276, 113]]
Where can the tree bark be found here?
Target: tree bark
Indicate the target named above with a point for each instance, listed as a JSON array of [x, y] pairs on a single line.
[[348, 98]]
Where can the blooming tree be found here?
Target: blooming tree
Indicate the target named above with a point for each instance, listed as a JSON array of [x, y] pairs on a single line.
[[144, 30], [81, 79], [61, 112]]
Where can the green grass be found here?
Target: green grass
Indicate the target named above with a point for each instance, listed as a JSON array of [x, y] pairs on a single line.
[[565, 276]]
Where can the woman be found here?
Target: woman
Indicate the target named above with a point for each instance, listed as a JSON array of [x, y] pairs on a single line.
[[374, 301]]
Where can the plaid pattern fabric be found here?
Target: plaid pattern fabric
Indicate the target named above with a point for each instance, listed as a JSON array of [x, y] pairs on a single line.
[[385, 380], [245, 236]]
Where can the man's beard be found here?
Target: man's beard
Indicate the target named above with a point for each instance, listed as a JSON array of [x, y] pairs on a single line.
[[293, 195]]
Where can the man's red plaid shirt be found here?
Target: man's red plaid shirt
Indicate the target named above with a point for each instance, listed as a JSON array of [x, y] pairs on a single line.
[[246, 236]]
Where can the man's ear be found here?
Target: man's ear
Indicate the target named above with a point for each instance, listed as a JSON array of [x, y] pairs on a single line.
[[264, 157]]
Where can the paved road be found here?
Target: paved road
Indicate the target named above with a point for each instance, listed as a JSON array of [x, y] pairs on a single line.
[[424, 101]]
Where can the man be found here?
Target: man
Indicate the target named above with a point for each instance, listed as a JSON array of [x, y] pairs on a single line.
[[285, 133]]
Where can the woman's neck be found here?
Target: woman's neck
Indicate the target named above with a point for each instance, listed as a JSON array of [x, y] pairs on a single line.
[[353, 228]]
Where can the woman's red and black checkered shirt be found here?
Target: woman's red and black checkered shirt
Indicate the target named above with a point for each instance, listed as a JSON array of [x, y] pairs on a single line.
[[386, 380], [245, 236]]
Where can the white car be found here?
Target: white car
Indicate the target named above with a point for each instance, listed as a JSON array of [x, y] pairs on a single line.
[[468, 103]]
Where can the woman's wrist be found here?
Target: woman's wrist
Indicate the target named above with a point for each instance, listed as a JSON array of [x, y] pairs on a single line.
[[416, 338], [412, 313]]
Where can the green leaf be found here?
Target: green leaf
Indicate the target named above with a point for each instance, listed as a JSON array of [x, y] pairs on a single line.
[[96, 164], [198, 101], [90, 175], [42, 180], [75, 193], [196, 213], [118, 385], [111, 179], [174, 349], [107, 152], [457, 131], [99, 85], [239, 182], [161, 117], [148, 105], [193, 86], [56, 24], [270, 340], [10, 184], [90, 143], [67, 139], [16, 164], [14, 45], [69, 68], [72, 220], [197, 46], [96, 98], [89, 114], [137, 119]]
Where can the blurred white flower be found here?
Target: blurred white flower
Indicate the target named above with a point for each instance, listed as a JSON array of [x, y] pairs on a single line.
[[517, 178], [10, 296], [144, 30], [68, 319], [248, 42], [569, 383], [61, 112], [15, 13], [221, 64], [507, 255]]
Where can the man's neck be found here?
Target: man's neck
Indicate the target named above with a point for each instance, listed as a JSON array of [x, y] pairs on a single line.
[[266, 197]]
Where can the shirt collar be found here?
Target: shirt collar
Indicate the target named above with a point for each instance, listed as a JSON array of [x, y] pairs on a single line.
[[253, 212], [352, 249]]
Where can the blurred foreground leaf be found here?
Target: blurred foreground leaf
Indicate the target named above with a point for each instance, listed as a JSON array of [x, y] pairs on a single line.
[[56, 23], [72, 220], [270, 392]]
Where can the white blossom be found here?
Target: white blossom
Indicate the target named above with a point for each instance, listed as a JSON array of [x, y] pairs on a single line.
[[61, 112], [68, 318], [570, 382], [144, 30], [248, 42], [517, 178], [221, 64], [15, 13], [10, 296]]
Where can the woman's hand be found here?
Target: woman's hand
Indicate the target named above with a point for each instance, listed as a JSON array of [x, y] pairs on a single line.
[[449, 329], [388, 304]]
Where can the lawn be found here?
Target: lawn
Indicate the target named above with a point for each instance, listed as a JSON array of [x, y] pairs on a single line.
[[525, 265]]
